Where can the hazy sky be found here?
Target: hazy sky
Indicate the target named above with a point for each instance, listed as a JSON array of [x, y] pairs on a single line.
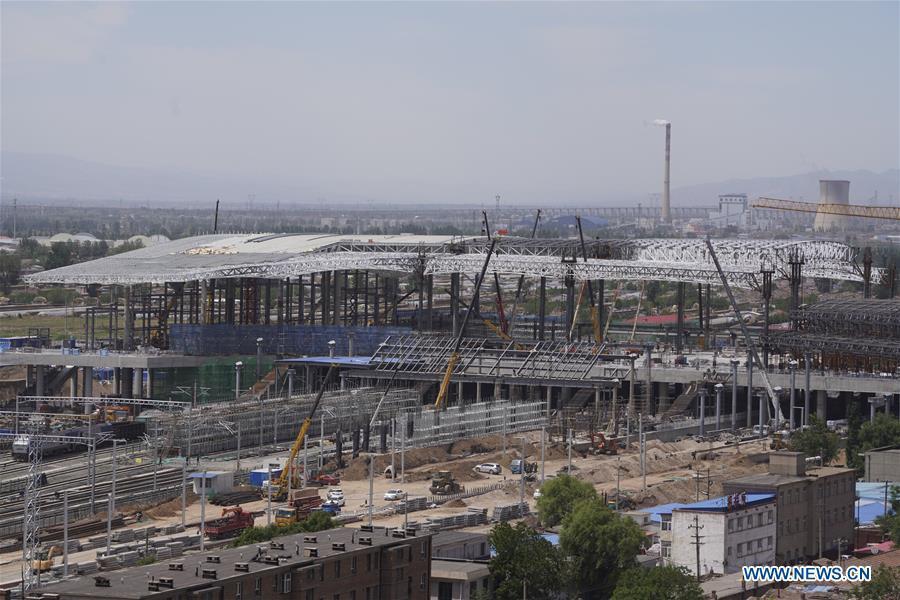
[[460, 100]]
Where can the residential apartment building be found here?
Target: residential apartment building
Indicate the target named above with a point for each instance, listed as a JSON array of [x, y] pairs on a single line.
[[814, 507], [732, 532], [337, 564]]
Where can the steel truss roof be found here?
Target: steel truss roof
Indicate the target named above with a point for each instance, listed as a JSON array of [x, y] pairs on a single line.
[[837, 345], [214, 257], [430, 354]]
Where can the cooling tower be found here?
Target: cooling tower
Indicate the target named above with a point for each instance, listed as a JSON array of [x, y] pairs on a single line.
[[832, 191]]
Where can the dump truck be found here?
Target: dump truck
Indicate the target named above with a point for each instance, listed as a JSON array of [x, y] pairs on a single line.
[[301, 504], [442, 483], [233, 521]]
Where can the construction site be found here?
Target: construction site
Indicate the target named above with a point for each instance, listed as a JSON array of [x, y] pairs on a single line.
[[244, 369]]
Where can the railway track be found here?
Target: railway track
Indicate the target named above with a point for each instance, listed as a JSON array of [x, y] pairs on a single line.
[[129, 490]]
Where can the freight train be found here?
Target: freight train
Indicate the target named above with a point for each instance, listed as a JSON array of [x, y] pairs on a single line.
[[127, 430]]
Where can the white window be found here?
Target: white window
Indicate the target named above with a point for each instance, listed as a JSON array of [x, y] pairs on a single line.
[[239, 590], [286, 583], [666, 549]]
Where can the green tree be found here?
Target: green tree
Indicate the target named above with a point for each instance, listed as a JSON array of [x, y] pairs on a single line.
[[660, 583], [10, 269], [882, 431], [316, 521], [523, 561], [559, 496], [885, 585], [816, 440], [890, 523], [599, 545], [61, 255], [126, 247]]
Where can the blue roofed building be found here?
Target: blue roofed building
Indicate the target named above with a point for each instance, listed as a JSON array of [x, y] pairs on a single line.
[[732, 531]]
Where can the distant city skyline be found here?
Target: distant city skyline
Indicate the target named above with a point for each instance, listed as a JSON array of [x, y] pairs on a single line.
[[434, 102]]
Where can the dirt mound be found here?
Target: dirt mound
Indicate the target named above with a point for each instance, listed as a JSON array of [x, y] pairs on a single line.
[[455, 504], [170, 508]]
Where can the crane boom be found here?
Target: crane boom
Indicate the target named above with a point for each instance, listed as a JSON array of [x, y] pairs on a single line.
[[454, 356], [773, 398], [285, 476], [595, 310], [846, 210]]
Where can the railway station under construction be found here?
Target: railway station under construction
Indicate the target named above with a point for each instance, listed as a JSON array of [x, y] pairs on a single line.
[[229, 344]]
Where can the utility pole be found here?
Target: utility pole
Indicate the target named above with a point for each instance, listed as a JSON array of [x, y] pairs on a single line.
[[618, 483], [569, 467], [543, 432], [522, 475], [203, 507], [697, 543]]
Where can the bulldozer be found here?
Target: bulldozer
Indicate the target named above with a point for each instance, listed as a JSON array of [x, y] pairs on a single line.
[[442, 484], [44, 560]]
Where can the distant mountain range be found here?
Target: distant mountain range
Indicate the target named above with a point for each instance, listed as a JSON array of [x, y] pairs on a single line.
[[55, 179]]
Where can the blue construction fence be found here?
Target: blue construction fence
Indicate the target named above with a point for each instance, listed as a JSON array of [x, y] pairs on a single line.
[[310, 340]]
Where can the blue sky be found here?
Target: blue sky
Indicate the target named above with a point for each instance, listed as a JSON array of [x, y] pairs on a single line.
[[442, 101]]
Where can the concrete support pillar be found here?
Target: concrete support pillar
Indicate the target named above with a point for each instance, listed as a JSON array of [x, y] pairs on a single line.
[[662, 397], [137, 383], [149, 383], [477, 391], [459, 393], [549, 400], [497, 389], [40, 379], [807, 388], [720, 390], [73, 384], [793, 396], [88, 386], [821, 404], [703, 394], [749, 389], [734, 393], [762, 412]]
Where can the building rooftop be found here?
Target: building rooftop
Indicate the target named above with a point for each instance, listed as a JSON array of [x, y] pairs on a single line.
[[132, 583], [721, 504], [465, 570]]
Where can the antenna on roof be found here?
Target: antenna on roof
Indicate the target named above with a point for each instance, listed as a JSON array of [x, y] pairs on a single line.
[[216, 219]]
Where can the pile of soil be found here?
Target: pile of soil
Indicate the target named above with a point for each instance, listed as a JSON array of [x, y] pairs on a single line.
[[170, 508]]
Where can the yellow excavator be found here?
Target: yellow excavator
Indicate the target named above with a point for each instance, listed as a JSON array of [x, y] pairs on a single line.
[[280, 486], [44, 560]]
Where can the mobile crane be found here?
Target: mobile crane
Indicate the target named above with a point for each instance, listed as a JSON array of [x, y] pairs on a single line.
[[281, 484]]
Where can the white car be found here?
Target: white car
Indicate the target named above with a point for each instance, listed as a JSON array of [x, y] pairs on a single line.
[[492, 468], [536, 494], [392, 495], [336, 495]]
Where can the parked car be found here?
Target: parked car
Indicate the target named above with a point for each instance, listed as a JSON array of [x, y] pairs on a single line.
[[336, 495], [492, 468], [392, 495]]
